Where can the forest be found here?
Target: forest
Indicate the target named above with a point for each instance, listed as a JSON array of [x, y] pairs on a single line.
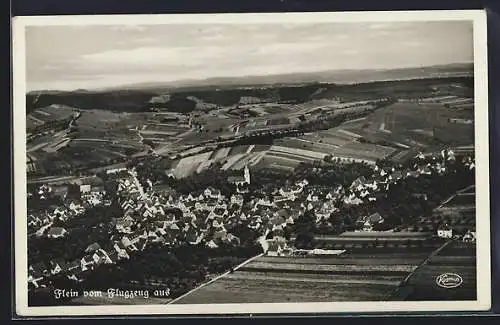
[[139, 100]]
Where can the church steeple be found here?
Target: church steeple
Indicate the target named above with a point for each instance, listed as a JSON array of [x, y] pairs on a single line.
[[247, 174]]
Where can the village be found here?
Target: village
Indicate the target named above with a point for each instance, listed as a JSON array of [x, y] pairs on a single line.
[[209, 218]]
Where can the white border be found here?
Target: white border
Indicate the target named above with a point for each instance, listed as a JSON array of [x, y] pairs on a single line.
[[483, 301]]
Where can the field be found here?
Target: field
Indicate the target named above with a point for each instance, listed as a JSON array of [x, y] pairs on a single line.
[[458, 211], [189, 165], [462, 200], [272, 290], [357, 276], [165, 132], [354, 277], [48, 114], [457, 258], [397, 131]]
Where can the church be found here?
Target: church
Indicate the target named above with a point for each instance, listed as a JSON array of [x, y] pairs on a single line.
[[240, 181]]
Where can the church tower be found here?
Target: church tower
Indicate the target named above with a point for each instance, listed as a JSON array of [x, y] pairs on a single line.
[[247, 175]]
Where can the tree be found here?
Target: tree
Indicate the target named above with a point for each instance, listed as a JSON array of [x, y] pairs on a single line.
[[305, 227], [304, 240]]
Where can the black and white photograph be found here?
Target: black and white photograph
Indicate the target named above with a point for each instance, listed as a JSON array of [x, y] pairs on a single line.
[[251, 163]]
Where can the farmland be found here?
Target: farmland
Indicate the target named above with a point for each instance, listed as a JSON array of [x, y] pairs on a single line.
[[457, 258], [397, 131], [188, 165], [48, 114], [354, 277], [393, 120], [358, 275]]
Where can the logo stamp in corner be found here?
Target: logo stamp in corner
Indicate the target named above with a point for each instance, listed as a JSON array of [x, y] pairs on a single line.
[[449, 280]]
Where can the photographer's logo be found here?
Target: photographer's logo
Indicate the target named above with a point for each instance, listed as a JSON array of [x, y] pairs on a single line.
[[449, 280]]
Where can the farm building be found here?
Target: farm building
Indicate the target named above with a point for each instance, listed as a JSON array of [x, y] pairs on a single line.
[[469, 237], [56, 232], [461, 121], [85, 188], [278, 247], [445, 231]]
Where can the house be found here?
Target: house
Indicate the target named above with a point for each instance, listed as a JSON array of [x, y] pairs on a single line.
[[101, 257], [231, 240], [334, 252], [34, 280], [57, 267], [113, 257], [124, 225], [358, 183], [469, 237], [412, 173], [87, 263], [74, 277], [36, 274], [197, 239], [76, 207], [92, 248], [128, 244], [370, 221], [396, 176], [212, 244], [219, 235], [277, 247], [212, 193], [237, 199], [141, 243], [85, 188], [290, 191], [364, 194], [73, 267], [56, 232], [217, 224], [280, 199], [445, 231], [33, 221], [425, 170]]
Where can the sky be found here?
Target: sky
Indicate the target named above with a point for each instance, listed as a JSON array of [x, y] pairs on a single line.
[[92, 56]]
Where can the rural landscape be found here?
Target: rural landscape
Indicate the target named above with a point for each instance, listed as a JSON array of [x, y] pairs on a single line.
[[341, 185]]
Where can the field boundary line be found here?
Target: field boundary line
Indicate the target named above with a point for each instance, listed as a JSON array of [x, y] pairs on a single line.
[[424, 262], [214, 279]]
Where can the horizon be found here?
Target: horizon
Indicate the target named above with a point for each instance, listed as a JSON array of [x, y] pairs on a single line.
[[199, 82], [67, 58]]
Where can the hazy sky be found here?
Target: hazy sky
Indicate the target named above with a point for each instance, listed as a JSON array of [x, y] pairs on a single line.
[[71, 57]]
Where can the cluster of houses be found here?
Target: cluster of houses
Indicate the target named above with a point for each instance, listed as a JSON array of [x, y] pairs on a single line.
[[195, 219], [208, 217], [41, 222], [446, 231], [40, 274]]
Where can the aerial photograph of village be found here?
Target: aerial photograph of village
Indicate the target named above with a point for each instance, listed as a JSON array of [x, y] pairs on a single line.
[[250, 163]]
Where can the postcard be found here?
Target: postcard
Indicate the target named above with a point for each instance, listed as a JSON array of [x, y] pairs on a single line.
[[196, 164]]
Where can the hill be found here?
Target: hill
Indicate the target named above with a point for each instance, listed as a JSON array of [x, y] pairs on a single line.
[[291, 88]]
